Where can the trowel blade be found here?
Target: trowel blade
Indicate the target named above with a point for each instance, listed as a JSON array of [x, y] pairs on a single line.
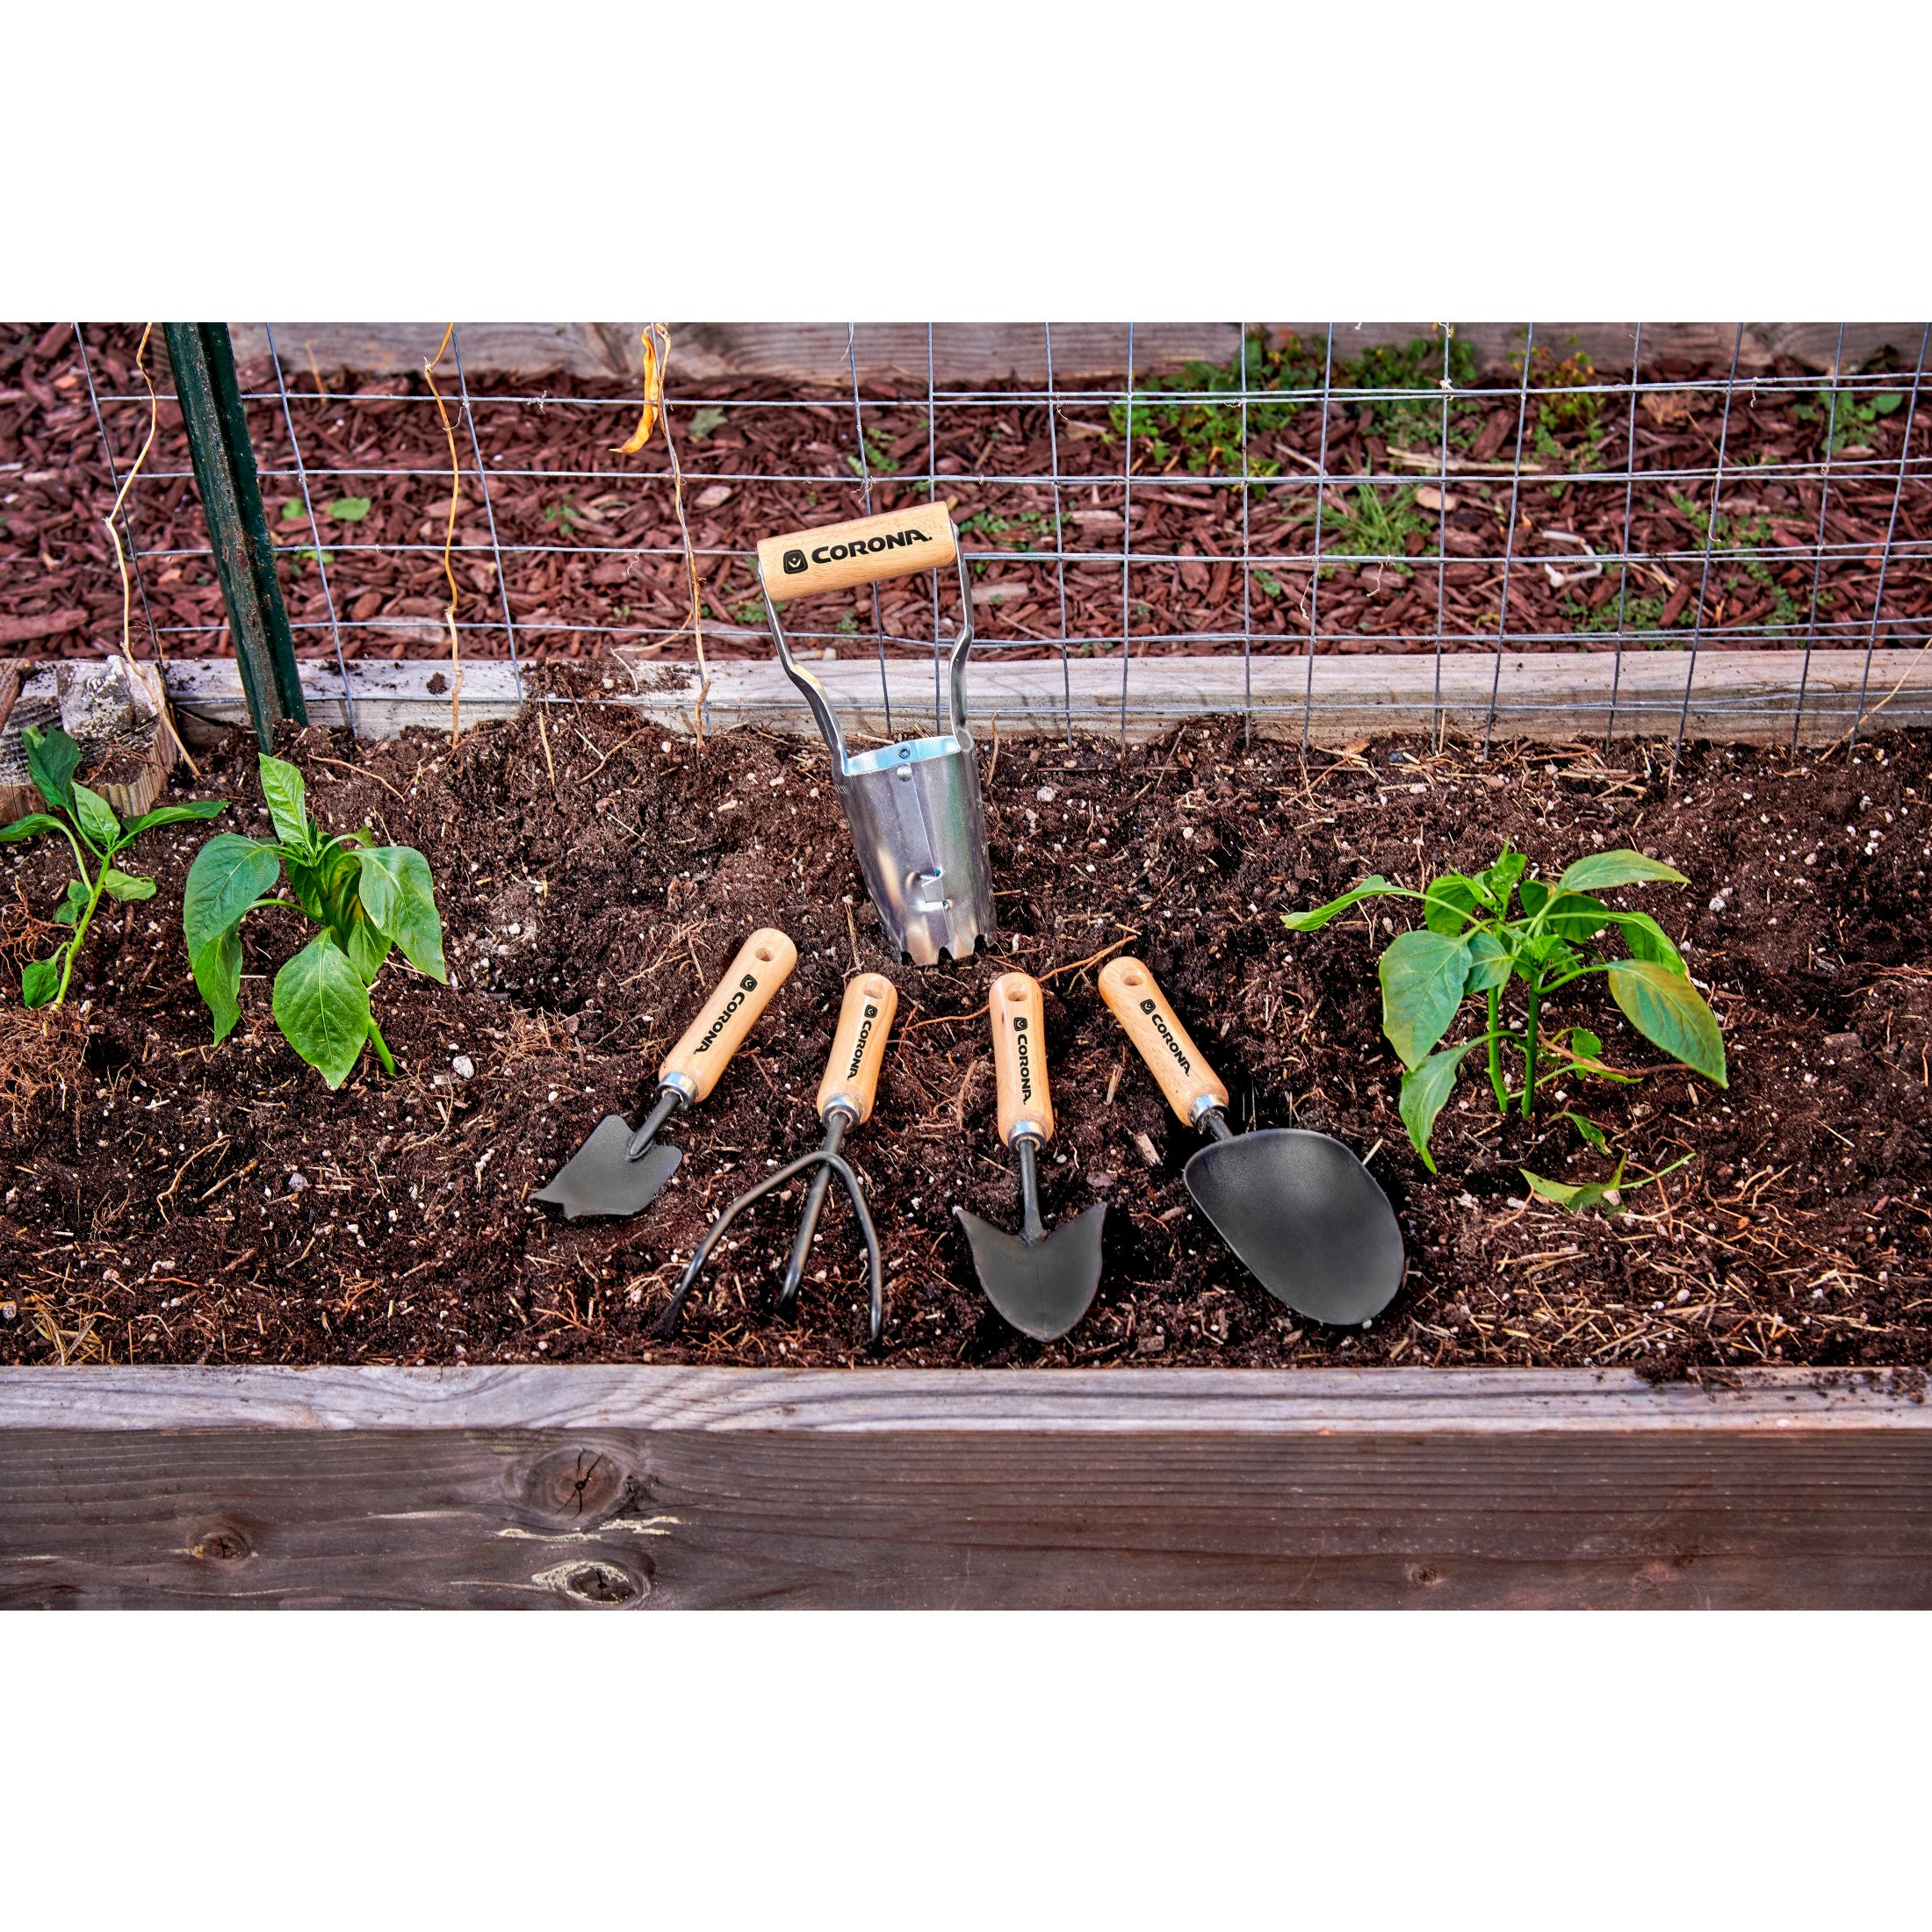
[[1043, 1290], [597, 1179], [1306, 1217]]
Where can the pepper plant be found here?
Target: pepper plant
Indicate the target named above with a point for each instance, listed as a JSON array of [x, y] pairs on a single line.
[[97, 832], [367, 898], [1474, 945]]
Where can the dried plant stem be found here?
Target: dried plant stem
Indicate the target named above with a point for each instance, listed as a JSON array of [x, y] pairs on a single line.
[[120, 556], [448, 540]]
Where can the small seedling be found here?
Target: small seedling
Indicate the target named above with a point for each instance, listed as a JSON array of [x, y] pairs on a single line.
[[366, 898], [96, 831], [1470, 944], [1847, 419], [349, 510], [703, 421], [1603, 1196]]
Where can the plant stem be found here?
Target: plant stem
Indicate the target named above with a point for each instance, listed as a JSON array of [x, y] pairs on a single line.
[[1529, 1048], [382, 1046], [80, 932], [1496, 1051]]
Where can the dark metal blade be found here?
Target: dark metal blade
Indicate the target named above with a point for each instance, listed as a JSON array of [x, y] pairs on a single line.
[[1043, 1289], [597, 1179], [1306, 1217]]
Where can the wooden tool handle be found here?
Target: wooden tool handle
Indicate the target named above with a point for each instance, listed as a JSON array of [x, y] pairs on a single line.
[[858, 1048], [763, 964], [836, 556], [1189, 1083], [1019, 1056]]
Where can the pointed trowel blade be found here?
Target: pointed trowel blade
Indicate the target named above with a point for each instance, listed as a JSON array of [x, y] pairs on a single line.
[[597, 1179], [1043, 1290]]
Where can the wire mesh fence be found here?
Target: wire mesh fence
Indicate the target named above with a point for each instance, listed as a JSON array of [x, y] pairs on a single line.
[[1305, 497]]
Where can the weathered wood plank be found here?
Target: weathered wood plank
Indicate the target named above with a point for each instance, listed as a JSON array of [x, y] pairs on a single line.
[[1736, 695], [965, 354], [673, 1487]]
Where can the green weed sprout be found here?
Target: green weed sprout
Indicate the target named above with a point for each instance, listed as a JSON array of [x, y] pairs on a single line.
[[96, 831], [1471, 945], [366, 898]]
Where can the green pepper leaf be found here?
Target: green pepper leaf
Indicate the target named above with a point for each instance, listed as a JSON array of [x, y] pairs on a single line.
[[282, 789], [1426, 1089], [1488, 963], [400, 897], [31, 826], [1649, 941], [1669, 1013], [121, 885], [1591, 1133], [322, 1008], [53, 758], [1566, 915], [368, 946], [1421, 976], [1312, 921], [1579, 1199], [217, 968], [100, 825], [41, 980], [1600, 870], [230, 873], [1500, 879], [174, 815], [1451, 903], [74, 904]]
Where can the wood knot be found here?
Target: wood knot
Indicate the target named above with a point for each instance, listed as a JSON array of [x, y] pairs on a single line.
[[223, 1544], [602, 1585], [578, 1487]]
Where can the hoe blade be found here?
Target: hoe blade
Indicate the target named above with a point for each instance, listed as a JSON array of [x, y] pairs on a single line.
[[1043, 1290], [598, 1179]]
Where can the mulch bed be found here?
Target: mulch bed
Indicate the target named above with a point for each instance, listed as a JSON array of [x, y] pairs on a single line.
[[604, 564], [174, 1202]]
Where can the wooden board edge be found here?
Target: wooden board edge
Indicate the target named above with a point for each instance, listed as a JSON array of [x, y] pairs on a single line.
[[1736, 696], [1097, 1401]]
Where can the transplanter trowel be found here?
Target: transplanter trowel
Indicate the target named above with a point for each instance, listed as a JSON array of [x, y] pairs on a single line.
[[619, 1172], [1305, 1217], [1043, 1283]]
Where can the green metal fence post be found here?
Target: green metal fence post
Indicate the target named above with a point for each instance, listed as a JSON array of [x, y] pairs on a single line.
[[224, 464]]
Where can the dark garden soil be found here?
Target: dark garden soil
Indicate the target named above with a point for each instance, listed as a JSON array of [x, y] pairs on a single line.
[[177, 1202], [591, 554]]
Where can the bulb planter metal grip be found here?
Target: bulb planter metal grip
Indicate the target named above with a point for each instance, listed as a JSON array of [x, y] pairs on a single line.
[[763, 964], [1179, 1066], [913, 808]]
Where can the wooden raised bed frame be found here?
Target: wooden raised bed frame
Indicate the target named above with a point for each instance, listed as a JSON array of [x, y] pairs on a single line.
[[673, 1488]]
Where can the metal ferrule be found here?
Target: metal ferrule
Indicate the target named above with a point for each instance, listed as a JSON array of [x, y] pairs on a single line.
[[914, 812]]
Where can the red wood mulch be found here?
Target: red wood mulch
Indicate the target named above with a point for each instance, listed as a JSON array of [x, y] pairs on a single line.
[[589, 542]]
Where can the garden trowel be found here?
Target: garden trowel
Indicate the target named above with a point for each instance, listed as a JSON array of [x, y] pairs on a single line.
[[1306, 1217], [617, 1171], [1043, 1283]]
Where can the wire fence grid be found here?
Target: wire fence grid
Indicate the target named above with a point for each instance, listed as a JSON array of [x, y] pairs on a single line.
[[1296, 502]]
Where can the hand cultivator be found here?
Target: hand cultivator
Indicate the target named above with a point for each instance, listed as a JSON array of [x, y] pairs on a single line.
[[845, 1101], [619, 1172]]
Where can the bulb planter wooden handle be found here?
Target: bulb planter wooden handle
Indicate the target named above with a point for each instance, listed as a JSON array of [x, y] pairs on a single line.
[[1133, 997], [858, 1046], [763, 964], [1018, 1007], [865, 550]]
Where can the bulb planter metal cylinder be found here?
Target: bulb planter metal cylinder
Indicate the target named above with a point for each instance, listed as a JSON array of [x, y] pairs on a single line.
[[913, 808]]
